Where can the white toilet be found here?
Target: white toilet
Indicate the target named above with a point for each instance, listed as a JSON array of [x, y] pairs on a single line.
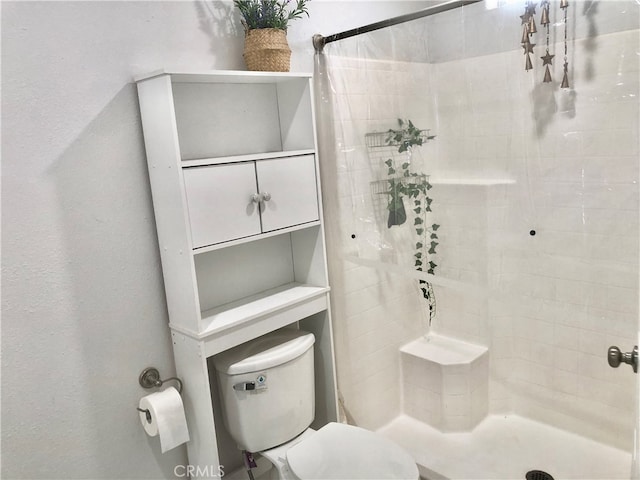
[[268, 403]]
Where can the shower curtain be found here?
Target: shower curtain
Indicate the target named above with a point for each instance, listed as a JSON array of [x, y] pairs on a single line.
[[534, 192]]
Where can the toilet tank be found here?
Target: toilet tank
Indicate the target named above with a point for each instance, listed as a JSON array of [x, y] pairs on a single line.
[[267, 388]]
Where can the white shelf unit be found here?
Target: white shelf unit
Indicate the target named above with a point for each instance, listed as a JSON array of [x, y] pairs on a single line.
[[233, 168]]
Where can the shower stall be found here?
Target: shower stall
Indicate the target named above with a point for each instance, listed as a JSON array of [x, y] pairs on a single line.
[[483, 234]]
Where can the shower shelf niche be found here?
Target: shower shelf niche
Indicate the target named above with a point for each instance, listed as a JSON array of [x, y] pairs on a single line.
[[468, 181]]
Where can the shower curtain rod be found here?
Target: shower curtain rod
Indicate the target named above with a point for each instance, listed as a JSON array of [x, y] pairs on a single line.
[[319, 41]]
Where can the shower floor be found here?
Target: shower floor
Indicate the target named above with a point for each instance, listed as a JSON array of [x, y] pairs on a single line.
[[506, 447]]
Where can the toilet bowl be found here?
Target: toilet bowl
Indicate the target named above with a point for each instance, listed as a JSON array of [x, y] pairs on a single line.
[[268, 404], [340, 452]]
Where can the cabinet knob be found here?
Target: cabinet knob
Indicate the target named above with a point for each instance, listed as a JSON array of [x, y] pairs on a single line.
[[266, 196], [256, 198]]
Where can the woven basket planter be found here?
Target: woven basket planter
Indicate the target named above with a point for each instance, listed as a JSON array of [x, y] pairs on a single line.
[[267, 50]]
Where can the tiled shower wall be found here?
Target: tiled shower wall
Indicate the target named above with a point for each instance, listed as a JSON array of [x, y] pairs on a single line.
[[536, 189], [376, 312], [561, 219]]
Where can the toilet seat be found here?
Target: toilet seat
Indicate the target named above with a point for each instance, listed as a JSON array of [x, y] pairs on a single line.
[[340, 452]]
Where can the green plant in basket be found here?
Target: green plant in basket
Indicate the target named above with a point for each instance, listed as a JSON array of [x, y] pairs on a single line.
[[277, 14], [406, 136]]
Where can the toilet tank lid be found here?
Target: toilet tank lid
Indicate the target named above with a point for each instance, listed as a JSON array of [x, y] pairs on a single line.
[[270, 350]]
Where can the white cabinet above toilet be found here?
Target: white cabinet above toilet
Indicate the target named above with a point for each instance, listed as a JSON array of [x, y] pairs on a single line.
[[233, 167], [238, 200]]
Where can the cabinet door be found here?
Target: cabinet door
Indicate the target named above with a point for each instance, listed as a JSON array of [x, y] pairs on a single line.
[[291, 184], [219, 202]]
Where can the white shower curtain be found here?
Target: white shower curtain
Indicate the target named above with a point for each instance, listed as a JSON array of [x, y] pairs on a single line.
[[535, 191]]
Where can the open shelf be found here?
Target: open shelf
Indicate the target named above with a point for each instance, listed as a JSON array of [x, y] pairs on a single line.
[[257, 306], [224, 76], [241, 119], [244, 158], [253, 238]]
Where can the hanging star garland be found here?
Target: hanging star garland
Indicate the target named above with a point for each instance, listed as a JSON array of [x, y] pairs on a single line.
[[547, 59], [528, 29], [564, 5], [527, 20]]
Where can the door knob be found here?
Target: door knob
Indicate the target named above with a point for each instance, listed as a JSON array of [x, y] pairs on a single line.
[[266, 196], [615, 357]]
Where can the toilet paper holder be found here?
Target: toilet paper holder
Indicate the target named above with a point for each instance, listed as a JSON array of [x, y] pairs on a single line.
[[149, 378]]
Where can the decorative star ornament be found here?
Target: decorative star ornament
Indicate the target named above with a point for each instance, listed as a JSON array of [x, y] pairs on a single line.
[[528, 47], [547, 59]]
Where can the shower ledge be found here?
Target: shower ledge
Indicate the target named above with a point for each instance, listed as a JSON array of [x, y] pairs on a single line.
[[480, 182], [445, 382], [444, 350]]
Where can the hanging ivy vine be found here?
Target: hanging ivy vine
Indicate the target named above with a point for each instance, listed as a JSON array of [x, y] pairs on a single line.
[[403, 183]]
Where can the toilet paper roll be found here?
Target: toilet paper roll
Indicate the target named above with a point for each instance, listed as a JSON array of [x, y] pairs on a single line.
[[167, 418]]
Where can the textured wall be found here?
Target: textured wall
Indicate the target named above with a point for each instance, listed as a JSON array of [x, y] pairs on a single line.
[[82, 293]]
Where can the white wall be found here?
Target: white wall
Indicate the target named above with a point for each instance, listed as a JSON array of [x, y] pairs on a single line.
[[82, 297]]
